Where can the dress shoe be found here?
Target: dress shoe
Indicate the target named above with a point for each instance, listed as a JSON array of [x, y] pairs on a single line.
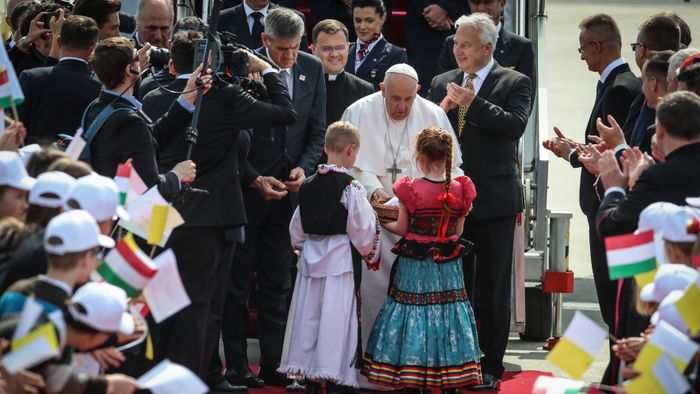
[[244, 377], [296, 386], [491, 383], [450, 391], [226, 387], [274, 378]]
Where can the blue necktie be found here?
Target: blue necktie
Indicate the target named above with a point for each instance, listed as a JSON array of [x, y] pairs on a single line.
[[598, 91]]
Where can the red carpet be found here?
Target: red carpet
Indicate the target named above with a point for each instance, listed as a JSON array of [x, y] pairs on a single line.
[[515, 382]]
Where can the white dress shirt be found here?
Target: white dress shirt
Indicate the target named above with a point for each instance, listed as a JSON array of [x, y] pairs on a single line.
[[480, 76], [250, 19]]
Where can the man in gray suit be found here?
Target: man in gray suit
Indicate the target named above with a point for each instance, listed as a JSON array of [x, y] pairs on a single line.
[[279, 161]]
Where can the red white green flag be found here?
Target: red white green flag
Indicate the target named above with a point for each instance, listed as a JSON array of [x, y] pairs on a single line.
[[127, 266], [129, 182], [630, 254], [10, 91]]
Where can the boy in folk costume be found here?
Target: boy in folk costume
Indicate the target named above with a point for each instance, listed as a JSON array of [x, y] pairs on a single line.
[[335, 228]]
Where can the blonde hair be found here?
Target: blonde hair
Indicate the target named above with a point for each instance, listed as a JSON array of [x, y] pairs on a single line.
[[340, 135]]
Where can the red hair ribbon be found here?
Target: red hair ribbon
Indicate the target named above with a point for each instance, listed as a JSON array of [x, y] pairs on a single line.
[[445, 196]]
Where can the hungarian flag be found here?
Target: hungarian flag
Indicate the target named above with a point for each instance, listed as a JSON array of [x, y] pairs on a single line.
[[10, 91], [129, 182], [553, 385], [127, 266], [630, 254]]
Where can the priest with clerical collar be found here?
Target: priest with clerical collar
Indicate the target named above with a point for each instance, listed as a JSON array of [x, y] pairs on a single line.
[[330, 45], [389, 122]]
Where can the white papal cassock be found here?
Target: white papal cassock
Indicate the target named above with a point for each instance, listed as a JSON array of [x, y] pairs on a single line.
[[381, 141]]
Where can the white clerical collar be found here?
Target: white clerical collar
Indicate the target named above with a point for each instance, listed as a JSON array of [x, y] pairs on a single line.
[[56, 283], [498, 27], [249, 10], [73, 58], [333, 77], [610, 67], [481, 74], [326, 168]]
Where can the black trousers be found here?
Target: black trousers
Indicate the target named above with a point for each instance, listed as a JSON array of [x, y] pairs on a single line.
[[493, 246], [211, 358], [606, 289], [182, 337], [268, 252]]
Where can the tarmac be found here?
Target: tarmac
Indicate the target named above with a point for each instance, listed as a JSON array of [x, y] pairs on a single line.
[[571, 96]]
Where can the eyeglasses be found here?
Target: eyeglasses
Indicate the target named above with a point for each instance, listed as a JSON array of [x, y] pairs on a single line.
[[634, 46], [583, 47], [338, 48]]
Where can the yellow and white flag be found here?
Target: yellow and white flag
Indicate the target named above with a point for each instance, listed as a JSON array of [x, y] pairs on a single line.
[[579, 345]]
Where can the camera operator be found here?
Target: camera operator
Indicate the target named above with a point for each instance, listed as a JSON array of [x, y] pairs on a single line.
[[163, 76], [188, 338], [128, 132]]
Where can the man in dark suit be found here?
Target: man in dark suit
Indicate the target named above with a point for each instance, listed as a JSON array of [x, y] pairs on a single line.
[[199, 243], [104, 12], [330, 45], [56, 97], [280, 159], [428, 23], [488, 106], [371, 55], [658, 33], [128, 133], [512, 51], [247, 21], [678, 138], [600, 44]]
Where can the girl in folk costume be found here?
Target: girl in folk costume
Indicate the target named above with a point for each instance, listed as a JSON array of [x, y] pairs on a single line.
[[425, 334], [336, 228]]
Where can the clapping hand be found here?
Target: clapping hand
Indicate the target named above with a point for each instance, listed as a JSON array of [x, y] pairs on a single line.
[[610, 172], [611, 136], [634, 162], [561, 146], [461, 95], [589, 156]]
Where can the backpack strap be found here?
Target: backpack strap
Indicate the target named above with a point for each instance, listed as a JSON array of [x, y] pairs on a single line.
[[89, 133]]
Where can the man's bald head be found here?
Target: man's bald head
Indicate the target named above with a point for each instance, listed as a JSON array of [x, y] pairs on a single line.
[[399, 91]]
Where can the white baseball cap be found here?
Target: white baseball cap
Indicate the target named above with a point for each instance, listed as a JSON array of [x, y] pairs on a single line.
[[693, 201], [670, 219], [13, 173], [97, 195], [667, 312], [669, 277], [74, 231], [51, 189], [102, 307]]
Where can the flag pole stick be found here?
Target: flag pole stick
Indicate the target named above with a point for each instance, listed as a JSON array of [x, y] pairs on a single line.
[[14, 108], [153, 251]]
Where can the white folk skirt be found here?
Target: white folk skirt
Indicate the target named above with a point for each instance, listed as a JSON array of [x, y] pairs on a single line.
[[321, 336]]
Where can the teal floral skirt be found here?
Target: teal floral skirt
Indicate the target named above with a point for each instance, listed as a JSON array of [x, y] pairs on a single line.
[[425, 335]]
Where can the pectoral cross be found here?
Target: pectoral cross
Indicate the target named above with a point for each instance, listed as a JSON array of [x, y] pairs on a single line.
[[394, 171]]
